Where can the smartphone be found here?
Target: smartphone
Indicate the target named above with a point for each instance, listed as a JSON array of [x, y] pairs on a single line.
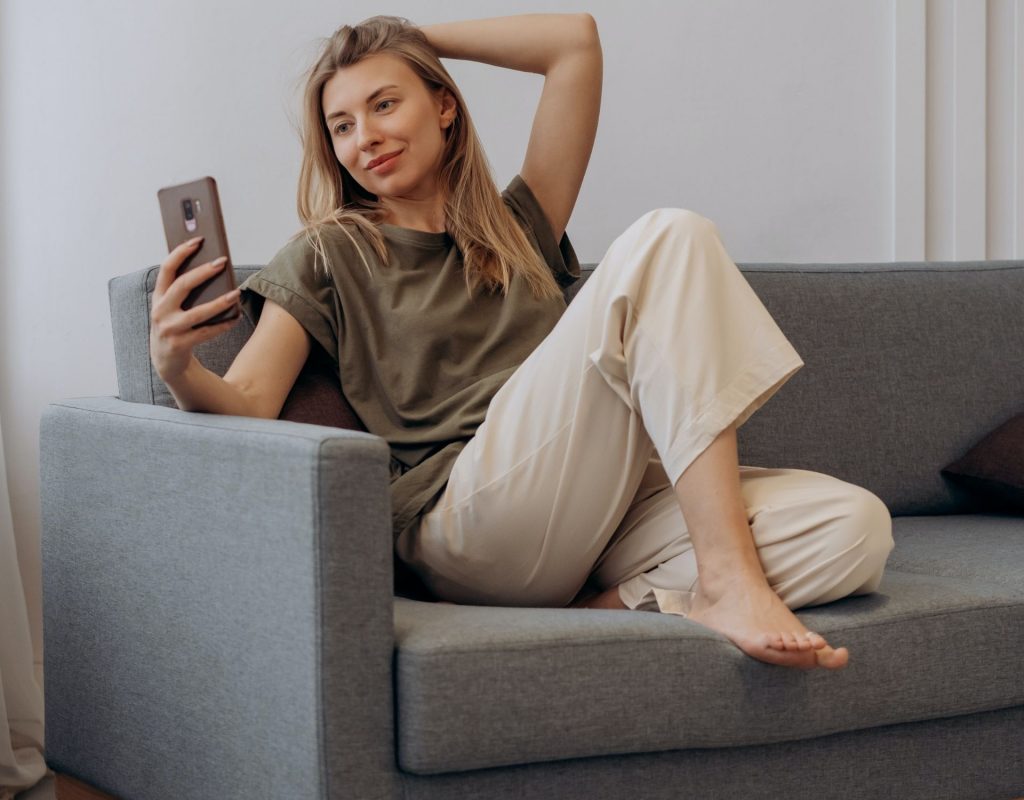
[[193, 209]]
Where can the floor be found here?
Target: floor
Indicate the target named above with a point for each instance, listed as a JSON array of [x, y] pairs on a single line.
[[41, 791]]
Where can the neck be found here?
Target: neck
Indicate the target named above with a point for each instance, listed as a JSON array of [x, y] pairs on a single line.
[[421, 215]]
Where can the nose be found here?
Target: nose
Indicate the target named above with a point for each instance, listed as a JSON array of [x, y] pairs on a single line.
[[367, 136]]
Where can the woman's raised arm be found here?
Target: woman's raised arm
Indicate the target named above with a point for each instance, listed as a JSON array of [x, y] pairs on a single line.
[[566, 49]]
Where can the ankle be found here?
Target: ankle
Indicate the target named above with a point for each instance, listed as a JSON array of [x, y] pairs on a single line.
[[714, 584]]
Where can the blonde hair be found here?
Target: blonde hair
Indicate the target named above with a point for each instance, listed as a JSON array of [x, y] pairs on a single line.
[[492, 243]]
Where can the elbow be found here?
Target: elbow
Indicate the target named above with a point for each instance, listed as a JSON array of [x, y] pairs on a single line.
[[588, 26], [246, 402]]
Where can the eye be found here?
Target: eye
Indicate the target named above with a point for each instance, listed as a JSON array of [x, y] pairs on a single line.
[[339, 127]]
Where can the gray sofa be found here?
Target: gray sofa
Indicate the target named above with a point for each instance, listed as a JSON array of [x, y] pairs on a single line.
[[220, 618]]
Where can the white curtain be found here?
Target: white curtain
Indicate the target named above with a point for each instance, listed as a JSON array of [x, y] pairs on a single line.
[[21, 698]]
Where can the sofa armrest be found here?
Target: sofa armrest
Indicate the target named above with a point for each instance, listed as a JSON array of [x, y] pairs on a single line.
[[218, 604]]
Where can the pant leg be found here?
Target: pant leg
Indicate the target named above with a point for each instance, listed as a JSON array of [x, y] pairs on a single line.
[[664, 347], [818, 539]]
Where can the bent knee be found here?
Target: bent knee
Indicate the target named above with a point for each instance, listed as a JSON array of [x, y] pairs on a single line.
[[867, 538], [853, 555], [866, 524], [876, 523], [683, 218]]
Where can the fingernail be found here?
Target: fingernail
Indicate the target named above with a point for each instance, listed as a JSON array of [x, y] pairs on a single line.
[[197, 239]]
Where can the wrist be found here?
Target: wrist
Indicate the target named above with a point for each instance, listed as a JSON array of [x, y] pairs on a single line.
[[181, 374], [430, 31]]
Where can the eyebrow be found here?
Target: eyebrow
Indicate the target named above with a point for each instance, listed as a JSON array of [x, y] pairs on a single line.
[[368, 100]]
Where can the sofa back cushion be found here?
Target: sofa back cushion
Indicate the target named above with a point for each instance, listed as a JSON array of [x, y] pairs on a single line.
[[907, 365]]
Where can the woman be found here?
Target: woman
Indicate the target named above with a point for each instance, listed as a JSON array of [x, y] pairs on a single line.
[[538, 451]]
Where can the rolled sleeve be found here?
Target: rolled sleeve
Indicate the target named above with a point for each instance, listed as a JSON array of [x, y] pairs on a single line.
[[308, 295]]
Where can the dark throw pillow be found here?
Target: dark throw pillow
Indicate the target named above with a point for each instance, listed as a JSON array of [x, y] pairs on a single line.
[[317, 399], [994, 467]]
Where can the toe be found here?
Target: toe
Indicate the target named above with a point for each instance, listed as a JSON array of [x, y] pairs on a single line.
[[788, 658], [832, 659]]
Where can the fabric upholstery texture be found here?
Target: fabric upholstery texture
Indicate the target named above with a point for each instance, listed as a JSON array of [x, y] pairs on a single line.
[[211, 581], [219, 608], [891, 375]]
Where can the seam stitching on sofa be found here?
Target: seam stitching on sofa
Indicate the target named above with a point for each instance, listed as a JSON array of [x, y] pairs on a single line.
[[531, 646], [218, 427], [988, 577], [788, 269], [321, 723], [149, 311], [953, 270]]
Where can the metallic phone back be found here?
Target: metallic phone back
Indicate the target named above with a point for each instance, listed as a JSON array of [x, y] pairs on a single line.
[[208, 222]]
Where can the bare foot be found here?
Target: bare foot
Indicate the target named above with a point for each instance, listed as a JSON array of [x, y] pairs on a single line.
[[753, 617]]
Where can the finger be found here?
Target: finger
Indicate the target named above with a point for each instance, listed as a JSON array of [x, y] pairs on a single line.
[[170, 265], [209, 332], [188, 281], [183, 321], [203, 312], [178, 291]]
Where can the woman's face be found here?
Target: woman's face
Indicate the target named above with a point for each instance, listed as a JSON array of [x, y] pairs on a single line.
[[404, 118]]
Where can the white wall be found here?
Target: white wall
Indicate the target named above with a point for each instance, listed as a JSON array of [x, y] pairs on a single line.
[[867, 130]]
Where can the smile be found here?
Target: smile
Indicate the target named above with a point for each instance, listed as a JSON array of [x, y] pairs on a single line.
[[388, 160]]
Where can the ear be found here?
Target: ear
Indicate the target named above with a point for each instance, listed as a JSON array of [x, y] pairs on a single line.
[[448, 106]]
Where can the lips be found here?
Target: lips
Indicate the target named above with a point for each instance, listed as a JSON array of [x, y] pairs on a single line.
[[382, 159]]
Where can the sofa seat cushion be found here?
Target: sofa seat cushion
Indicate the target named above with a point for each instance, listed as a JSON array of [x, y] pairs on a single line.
[[480, 687], [986, 548]]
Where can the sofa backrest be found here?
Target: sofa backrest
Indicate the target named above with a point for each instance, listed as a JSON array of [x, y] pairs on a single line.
[[907, 366]]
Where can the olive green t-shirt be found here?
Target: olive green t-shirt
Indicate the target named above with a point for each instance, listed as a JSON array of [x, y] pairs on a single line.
[[417, 359]]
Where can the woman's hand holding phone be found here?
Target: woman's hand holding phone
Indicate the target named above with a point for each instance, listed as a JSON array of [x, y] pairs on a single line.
[[173, 331]]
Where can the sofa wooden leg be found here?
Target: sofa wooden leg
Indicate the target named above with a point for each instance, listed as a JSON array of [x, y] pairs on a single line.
[[68, 788]]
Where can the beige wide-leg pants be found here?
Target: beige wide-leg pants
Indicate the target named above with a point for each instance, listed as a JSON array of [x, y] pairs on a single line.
[[570, 478]]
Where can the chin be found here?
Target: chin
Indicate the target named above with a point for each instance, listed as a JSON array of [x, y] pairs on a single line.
[[367, 193]]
